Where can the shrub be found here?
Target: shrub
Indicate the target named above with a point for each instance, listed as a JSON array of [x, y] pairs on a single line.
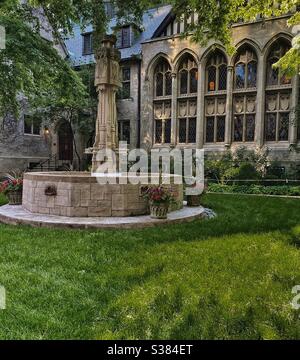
[[256, 189]]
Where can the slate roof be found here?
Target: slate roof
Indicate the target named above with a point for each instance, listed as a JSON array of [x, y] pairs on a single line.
[[152, 19]]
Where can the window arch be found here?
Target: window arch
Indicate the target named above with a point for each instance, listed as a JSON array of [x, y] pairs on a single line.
[[278, 96], [187, 100], [162, 102], [215, 99], [245, 92]]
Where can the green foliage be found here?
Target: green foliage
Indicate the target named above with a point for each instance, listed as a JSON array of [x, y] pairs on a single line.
[[216, 18], [285, 190], [241, 164]]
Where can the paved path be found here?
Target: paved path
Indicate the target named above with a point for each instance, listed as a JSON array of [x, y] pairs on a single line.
[[16, 215]]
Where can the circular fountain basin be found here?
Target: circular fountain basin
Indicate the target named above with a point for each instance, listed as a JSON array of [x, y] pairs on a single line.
[[80, 194]]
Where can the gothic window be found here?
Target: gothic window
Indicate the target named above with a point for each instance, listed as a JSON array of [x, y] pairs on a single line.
[[278, 94], [274, 76], [187, 115], [188, 76], [215, 100], [187, 101], [244, 108], [162, 122], [215, 115], [244, 97], [245, 76], [163, 79], [162, 102], [277, 118], [216, 72]]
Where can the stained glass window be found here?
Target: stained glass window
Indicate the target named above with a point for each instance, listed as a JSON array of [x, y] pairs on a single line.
[[220, 129], [216, 72], [183, 82], [215, 109], [192, 130], [210, 129], [244, 107], [188, 76], [240, 76], [270, 128], [252, 73], [278, 93], [159, 84], [182, 130], [250, 127], [211, 78], [215, 103], [223, 77], [284, 120], [193, 81], [158, 131], [187, 102], [274, 77], [245, 70], [163, 79], [168, 83], [167, 139], [238, 128]]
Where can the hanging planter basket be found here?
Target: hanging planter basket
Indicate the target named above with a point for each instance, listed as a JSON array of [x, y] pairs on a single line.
[[14, 197]]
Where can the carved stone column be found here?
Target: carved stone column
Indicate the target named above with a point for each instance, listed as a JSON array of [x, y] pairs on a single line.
[[260, 102], [294, 102], [200, 108], [229, 105], [174, 111], [107, 82]]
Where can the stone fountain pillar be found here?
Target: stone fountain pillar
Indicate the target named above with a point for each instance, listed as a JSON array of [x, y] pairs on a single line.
[[107, 82]]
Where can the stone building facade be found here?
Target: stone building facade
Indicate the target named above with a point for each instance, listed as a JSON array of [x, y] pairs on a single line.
[[176, 93], [202, 97]]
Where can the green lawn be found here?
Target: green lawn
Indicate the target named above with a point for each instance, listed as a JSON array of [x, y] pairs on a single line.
[[226, 278]]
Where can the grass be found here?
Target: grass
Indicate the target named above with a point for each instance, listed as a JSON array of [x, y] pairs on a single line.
[[225, 278]]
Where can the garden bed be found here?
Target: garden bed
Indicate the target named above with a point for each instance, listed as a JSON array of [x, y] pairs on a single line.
[[283, 190]]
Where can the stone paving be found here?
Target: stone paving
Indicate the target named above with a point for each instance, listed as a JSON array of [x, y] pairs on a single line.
[[16, 215]]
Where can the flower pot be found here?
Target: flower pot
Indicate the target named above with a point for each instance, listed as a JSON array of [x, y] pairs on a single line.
[[159, 211], [15, 197], [193, 200]]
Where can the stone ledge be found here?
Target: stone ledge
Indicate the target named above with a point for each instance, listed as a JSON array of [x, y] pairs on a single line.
[[16, 215]]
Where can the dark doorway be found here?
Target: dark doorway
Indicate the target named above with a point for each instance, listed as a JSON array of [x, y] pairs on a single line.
[[65, 142]]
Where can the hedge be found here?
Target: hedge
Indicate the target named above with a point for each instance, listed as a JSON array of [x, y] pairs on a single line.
[[255, 189]]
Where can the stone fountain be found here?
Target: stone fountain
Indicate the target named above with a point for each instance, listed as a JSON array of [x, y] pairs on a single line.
[[79, 194]]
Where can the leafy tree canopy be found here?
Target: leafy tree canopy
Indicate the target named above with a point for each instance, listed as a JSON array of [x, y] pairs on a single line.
[[31, 66]]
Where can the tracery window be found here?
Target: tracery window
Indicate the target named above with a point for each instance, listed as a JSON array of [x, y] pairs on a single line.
[[162, 102], [215, 99], [187, 100], [245, 75], [278, 96], [244, 99]]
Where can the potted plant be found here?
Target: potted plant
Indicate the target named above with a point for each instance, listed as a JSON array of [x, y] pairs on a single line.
[[159, 198], [12, 187]]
